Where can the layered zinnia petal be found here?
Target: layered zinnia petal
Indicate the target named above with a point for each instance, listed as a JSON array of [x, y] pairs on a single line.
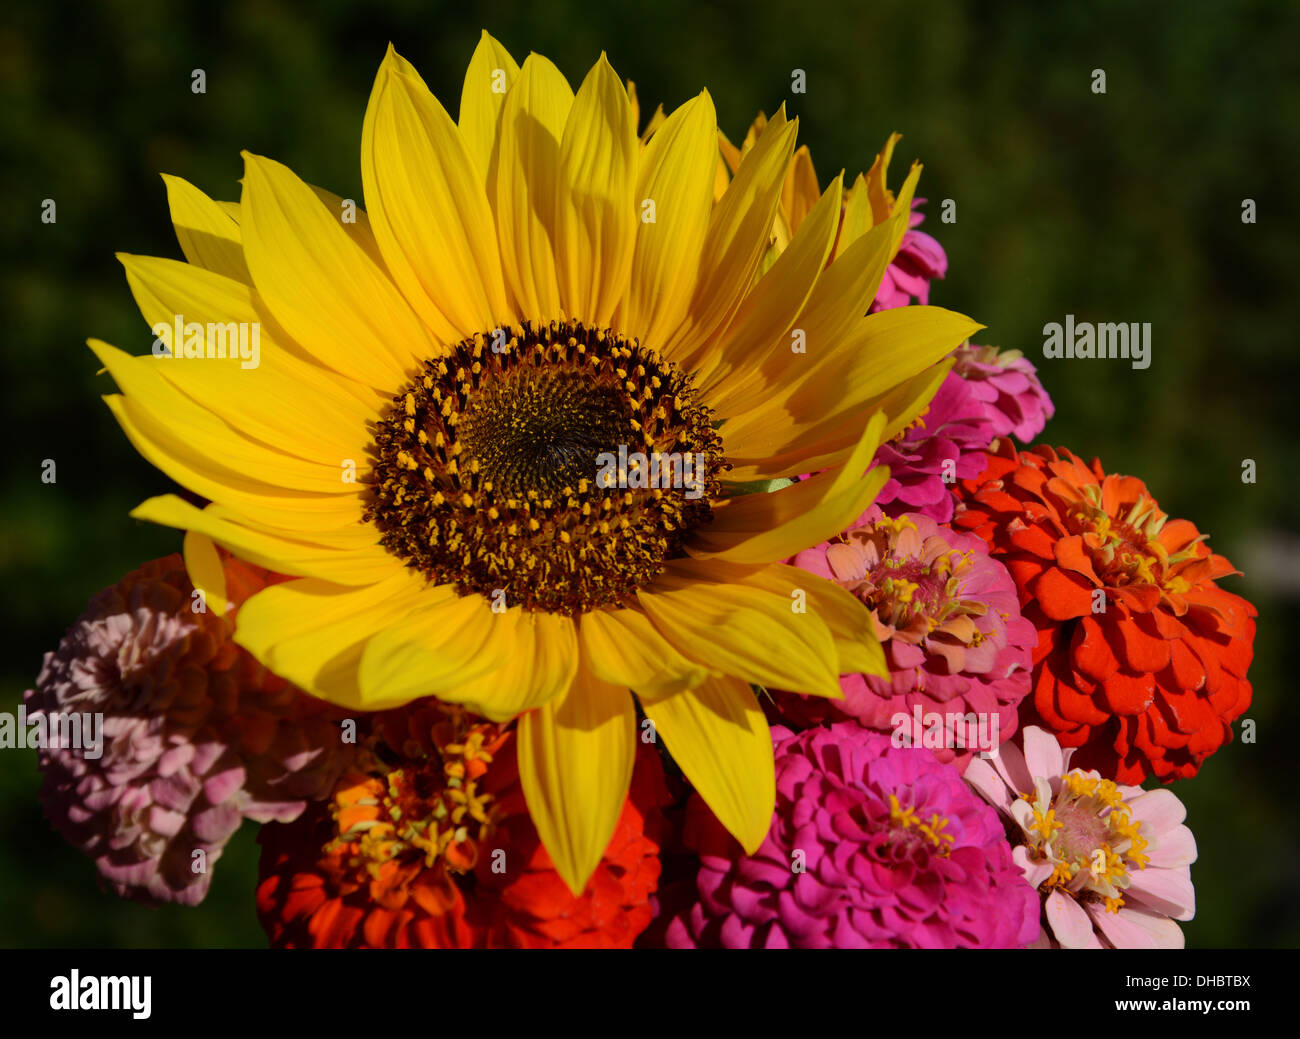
[[872, 846], [1111, 862], [1007, 384], [1142, 658], [179, 735], [957, 651], [437, 851]]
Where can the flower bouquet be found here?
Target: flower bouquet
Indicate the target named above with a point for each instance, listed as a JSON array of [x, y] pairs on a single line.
[[596, 538]]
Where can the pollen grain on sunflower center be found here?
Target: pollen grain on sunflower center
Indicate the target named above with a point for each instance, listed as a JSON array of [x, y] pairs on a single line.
[[492, 468]]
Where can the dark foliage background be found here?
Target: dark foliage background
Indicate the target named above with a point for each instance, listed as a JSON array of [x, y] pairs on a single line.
[[1117, 207]]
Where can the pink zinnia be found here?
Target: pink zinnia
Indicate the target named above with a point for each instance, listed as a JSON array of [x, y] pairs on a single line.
[[197, 737], [920, 260], [872, 846], [1007, 385], [948, 619], [1112, 862], [944, 445]]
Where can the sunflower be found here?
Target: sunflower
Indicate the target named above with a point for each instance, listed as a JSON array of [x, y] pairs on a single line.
[[449, 439]]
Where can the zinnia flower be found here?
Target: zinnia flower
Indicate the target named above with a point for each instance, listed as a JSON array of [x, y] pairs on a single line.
[[432, 847], [1113, 863], [1006, 383], [920, 260], [197, 737], [1141, 659], [957, 649], [944, 445], [491, 416], [872, 846]]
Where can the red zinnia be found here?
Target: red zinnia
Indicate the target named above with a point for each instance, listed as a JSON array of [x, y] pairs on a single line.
[[1141, 659], [431, 846]]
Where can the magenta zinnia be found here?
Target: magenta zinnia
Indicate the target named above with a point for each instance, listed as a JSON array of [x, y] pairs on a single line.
[[944, 445], [873, 846], [1007, 385]]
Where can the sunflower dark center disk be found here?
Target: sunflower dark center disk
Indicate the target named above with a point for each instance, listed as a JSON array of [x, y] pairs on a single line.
[[541, 430], [557, 470]]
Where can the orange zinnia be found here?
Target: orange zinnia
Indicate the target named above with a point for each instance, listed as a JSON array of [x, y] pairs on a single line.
[[431, 846], [1141, 659]]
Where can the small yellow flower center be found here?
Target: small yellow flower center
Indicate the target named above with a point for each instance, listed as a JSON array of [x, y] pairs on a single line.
[[1089, 835], [1124, 548], [931, 830], [429, 809], [903, 587]]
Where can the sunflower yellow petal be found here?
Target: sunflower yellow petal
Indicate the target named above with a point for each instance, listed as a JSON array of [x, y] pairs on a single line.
[[908, 401], [527, 181], [743, 631], [320, 285], [762, 528], [445, 642], [735, 242], [287, 555], [428, 207], [207, 441], [575, 765], [595, 218], [676, 177], [287, 610], [308, 409], [721, 177], [655, 121], [849, 621], [717, 734], [326, 659], [877, 192], [488, 78], [208, 237], [858, 218], [800, 192], [351, 537], [820, 407], [203, 564], [272, 505], [623, 647], [354, 221], [844, 292], [538, 654], [759, 339]]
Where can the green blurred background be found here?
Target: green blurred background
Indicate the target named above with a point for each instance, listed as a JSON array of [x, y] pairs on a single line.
[[1117, 207]]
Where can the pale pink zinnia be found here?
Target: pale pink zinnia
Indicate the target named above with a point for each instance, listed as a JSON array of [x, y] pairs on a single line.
[[1112, 863], [196, 737]]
